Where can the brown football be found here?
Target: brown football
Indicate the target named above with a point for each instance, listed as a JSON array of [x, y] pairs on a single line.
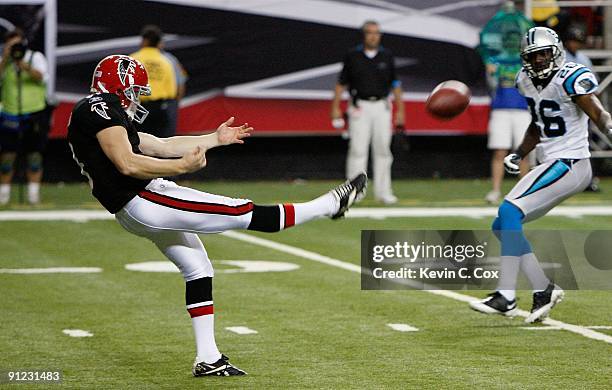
[[449, 99]]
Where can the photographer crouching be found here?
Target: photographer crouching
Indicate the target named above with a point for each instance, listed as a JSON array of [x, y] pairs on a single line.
[[24, 118]]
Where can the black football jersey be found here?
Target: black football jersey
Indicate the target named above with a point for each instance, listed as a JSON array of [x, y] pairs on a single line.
[[89, 116]]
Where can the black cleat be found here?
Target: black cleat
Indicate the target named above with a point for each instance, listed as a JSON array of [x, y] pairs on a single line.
[[221, 367], [348, 193], [496, 303], [544, 301]]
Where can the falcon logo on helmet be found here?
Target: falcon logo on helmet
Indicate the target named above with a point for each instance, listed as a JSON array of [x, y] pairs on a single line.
[[125, 67], [127, 78], [541, 52]]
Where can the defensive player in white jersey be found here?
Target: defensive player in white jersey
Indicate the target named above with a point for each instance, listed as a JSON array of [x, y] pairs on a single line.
[[561, 100], [124, 166]]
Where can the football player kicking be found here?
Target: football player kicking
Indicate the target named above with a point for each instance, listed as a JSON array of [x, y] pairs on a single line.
[[561, 99], [123, 167]]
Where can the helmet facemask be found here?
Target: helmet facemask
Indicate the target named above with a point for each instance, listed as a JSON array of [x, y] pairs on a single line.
[[134, 109], [541, 63]]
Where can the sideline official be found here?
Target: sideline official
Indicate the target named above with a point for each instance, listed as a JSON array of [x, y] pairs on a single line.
[[162, 79], [369, 75]]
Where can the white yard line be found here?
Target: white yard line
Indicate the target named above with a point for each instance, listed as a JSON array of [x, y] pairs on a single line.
[[51, 270], [77, 333], [358, 212], [403, 327], [581, 330], [56, 215], [241, 330]]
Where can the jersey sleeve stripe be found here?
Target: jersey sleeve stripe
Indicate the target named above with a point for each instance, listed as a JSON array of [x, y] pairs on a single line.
[[568, 84]]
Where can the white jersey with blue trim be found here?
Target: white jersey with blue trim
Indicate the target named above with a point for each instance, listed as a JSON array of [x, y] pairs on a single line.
[[563, 125]]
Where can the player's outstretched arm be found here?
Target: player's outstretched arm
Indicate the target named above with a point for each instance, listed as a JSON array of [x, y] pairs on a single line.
[[117, 147], [592, 106], [226, 134]]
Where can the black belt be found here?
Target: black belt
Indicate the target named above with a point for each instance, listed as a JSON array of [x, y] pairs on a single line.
[[371, 98], [368, 98]]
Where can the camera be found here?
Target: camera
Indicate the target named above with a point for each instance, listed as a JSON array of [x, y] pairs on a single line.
[[18, 51]]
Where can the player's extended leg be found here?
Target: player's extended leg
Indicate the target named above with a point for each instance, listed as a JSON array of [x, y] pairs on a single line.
[[166, 214], [168, 206]]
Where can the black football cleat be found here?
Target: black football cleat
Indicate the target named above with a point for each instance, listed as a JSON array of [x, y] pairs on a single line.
[[544, 301], [348, 193], [221, 367], [496, 303]]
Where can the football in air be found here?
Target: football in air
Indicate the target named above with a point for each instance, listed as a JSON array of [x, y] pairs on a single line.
[[448, 99]]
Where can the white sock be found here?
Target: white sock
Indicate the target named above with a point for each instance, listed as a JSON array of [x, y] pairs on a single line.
[[323, 206], [508, 275], [33, 192], [532, 269], [204, 330]]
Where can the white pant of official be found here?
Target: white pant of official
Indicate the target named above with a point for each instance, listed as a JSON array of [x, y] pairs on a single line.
[[549, 184], [171, 215], [370, 122]]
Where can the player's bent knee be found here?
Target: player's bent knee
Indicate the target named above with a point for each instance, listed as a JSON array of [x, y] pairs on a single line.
[[510, 216], [509, 229]]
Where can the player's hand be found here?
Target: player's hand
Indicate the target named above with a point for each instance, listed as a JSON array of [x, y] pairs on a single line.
[[232, 135], [511, 163], [194, 160]]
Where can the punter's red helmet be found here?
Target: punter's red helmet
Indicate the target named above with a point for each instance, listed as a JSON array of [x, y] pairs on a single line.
[[127, 78]]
